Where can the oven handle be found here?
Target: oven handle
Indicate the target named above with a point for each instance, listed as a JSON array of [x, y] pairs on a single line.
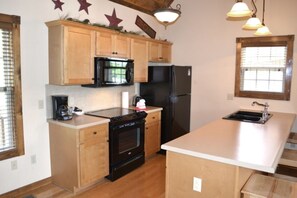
[[127, 125]]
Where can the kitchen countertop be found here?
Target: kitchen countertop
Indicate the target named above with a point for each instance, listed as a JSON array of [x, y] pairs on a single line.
[[149, 109], [249, 145], [83, 121]]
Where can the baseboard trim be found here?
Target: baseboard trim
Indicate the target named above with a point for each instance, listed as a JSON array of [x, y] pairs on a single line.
[[26, 189]]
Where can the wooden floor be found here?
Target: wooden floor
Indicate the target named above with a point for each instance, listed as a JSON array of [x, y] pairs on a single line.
[[148, 181]]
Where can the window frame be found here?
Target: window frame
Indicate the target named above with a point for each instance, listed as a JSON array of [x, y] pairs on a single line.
[[13, 22], [285, 40]]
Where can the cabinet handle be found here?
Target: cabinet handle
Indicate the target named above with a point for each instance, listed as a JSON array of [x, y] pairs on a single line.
[[146, 128], [154, 117], [95, 132]]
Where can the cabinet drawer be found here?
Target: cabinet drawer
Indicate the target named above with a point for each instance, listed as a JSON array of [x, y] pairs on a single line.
[[152, 117], [96, 133]]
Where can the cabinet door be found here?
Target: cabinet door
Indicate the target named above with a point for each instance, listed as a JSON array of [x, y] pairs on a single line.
[[121, 46], [166, 53], [152, 138], [139, 53], [94, 154], [104, 44], [79, 55], [152, 133], [160, 52], [154, 52], [112, 45]]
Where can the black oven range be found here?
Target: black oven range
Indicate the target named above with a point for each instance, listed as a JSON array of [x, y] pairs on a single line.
[[126, 139]]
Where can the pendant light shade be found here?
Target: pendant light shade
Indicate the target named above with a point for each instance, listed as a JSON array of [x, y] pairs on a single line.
[[239, 9], [252, 24], [168, 15], [263, 31]]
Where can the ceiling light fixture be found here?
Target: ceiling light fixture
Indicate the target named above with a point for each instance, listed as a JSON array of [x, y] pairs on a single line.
[[239, 9], [253, 23], [168, 15], [264, 30]]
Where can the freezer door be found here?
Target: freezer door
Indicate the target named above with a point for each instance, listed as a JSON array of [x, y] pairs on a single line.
[[181, 80], [181, 110]]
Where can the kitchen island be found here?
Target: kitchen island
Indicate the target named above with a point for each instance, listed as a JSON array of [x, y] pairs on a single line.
[[223, 154]]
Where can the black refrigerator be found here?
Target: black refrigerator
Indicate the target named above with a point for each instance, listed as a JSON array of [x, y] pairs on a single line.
[[170, 87]]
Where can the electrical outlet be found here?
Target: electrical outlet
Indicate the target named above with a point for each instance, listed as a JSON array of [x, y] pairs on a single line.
[[197, 184], [33, 159], [40, 104], [14, 165], [229, 96]]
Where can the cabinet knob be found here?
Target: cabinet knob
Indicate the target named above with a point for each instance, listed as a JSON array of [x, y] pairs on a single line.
[[154, 117], [146, 128], [95, 132]]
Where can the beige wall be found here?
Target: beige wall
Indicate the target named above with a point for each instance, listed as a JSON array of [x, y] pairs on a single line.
[[34, 60], [204, 39]]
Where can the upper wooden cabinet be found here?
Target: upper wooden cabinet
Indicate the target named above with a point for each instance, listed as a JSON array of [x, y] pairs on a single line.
[[160, 51], [73, 46], [139, 53], [112, 45], [71, 54]]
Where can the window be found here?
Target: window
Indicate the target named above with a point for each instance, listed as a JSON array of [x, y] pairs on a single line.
[[11, 121], [264, 67]]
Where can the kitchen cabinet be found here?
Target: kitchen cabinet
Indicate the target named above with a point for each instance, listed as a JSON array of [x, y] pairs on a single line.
[[139, 53], [71, 54], [159, 51], [79, 157], [73, 46], [112, 44], [152, 134]]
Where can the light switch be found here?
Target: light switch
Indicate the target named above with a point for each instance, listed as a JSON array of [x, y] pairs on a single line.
[[197, 184]]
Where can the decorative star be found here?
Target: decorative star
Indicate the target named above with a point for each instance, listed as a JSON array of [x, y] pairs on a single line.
[[84, 5], [113, 19], [58, 4]]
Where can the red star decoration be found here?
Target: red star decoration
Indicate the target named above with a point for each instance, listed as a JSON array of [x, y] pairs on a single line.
[[58, 4], [113, 19], [84, 5]]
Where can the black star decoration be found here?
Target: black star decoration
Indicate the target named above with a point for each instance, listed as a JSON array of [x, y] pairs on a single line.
[[84, 5], [58, 4], [113, 19]]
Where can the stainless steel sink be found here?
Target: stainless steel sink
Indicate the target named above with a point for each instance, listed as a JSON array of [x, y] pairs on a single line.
[[248, 116]]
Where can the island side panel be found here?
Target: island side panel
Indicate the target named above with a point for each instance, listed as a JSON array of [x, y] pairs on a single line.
[[218, 179]]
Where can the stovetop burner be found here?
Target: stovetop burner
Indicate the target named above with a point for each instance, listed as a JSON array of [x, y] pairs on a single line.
[[118, 114]]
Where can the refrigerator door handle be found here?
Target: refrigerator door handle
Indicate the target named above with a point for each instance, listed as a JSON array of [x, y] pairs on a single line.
[[173, 81]]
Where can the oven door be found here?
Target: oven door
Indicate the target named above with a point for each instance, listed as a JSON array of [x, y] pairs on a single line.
[[126, 141]]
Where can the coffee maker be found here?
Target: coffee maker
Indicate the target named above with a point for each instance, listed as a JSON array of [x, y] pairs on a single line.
[[60, 108]]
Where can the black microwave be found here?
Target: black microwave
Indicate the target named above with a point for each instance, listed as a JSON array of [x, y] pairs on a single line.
[[112, 72]]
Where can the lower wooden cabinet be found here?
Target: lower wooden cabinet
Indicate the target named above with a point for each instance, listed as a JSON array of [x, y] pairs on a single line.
[[79, 157], [152, 142]]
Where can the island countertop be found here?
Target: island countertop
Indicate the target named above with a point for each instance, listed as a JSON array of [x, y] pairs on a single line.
[[249, 145]]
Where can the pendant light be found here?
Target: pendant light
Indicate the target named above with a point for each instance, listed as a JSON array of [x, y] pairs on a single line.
[[253, 23], [168, 15], [264, 30], [239, 9]]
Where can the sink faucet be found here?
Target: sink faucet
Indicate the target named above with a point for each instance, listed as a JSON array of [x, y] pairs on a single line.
[[265, 112]]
